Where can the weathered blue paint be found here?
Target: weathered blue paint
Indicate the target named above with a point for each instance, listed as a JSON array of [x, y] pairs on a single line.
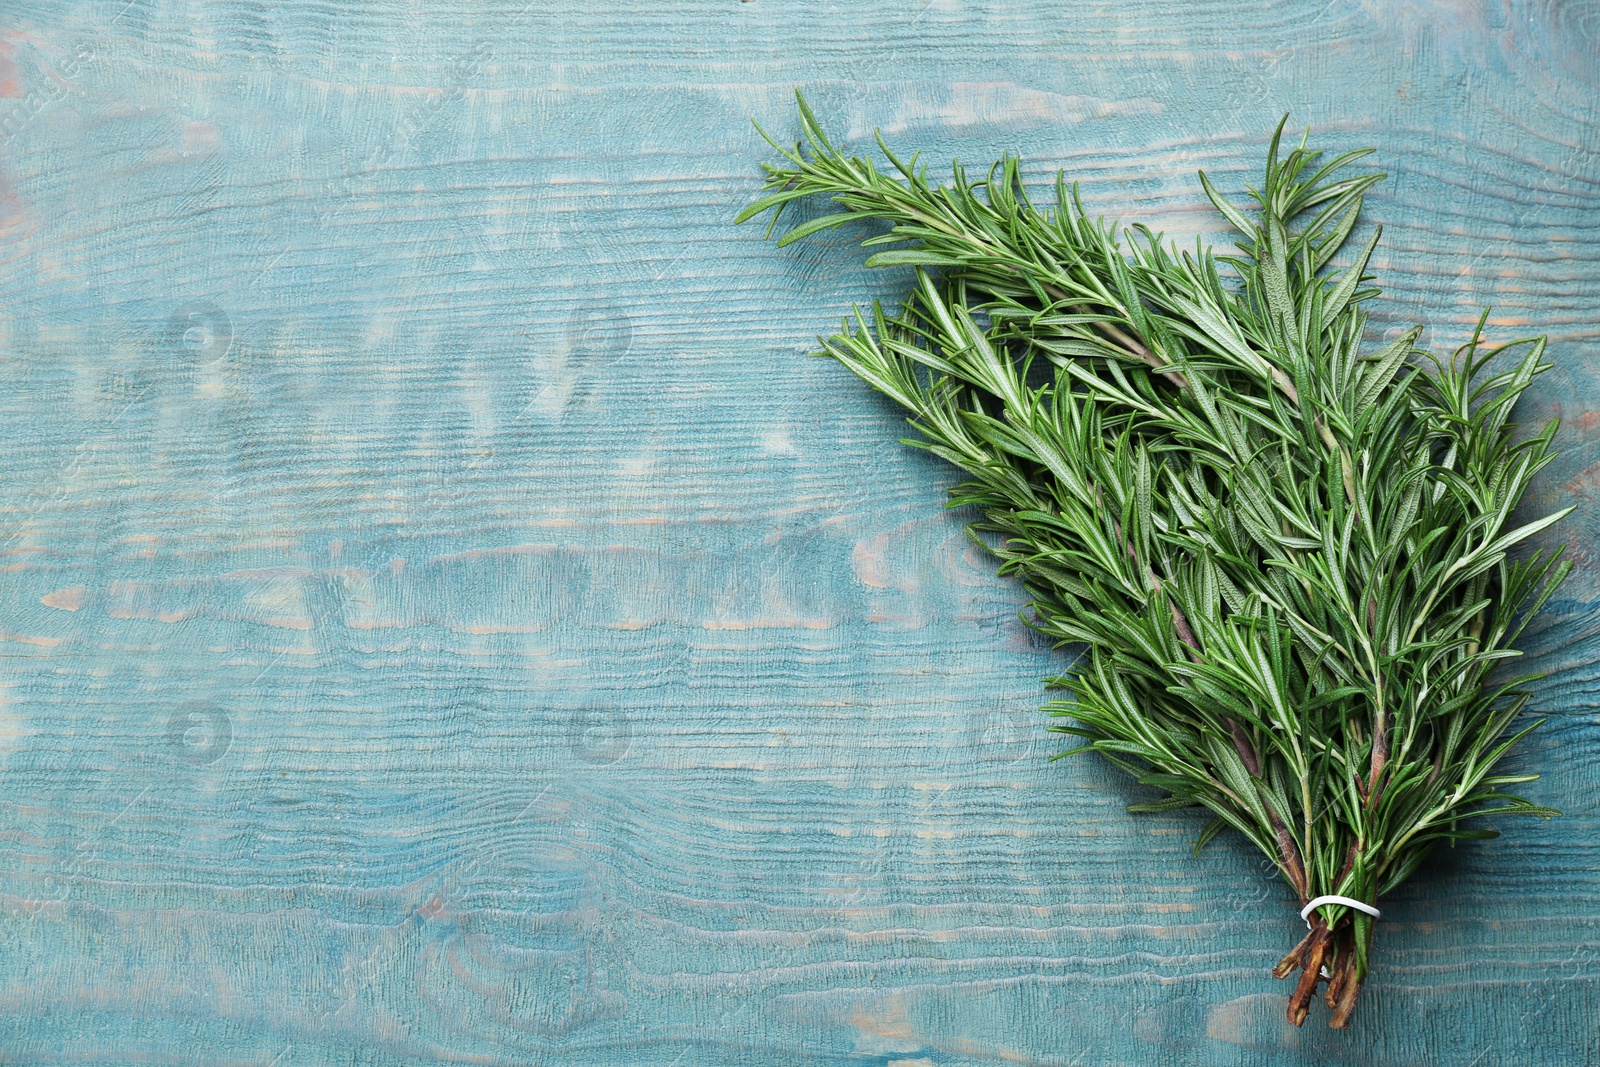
[[447, 619]]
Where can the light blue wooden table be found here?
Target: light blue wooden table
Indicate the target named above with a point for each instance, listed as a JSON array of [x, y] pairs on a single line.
[[446, 619]]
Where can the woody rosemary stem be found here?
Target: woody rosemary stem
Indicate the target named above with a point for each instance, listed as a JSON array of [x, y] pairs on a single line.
[[1345, 975]]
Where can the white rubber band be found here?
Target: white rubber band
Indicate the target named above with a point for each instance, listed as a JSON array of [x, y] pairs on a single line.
[[1334, 898]]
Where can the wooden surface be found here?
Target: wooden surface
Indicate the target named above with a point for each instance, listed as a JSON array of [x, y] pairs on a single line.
[[447, 619]]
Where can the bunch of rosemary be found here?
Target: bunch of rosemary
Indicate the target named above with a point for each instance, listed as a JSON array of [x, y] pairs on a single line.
[[1287, 559]]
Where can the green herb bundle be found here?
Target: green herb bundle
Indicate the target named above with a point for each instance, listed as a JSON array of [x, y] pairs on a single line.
[[1286, 557]]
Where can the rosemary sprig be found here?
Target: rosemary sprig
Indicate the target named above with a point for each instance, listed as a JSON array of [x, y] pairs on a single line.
[[1287, 558]]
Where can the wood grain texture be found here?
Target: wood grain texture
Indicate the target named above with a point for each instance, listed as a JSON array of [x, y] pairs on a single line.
[[447, 619]]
